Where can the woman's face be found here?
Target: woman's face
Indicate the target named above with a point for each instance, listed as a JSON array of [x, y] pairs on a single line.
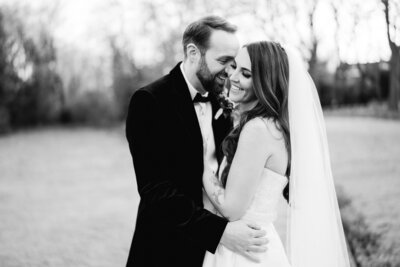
[[240, 77]]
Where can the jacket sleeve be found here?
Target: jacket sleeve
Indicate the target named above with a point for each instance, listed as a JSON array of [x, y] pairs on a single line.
[[164, 202]]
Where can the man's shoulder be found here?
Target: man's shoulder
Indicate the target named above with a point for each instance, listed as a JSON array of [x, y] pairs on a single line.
[[161, 86], [149, 97], [157, 87]]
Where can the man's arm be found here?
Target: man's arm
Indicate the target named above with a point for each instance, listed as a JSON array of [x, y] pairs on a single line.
[[164, 202]]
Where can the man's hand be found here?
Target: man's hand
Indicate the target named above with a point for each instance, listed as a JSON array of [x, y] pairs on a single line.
[[245, 238]]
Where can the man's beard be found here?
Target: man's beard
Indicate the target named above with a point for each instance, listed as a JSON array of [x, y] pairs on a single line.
[[210, 81]]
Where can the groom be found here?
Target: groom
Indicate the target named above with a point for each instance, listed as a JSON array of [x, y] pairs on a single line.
[[173, 134]]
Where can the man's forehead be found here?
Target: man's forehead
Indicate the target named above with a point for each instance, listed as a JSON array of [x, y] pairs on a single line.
[[223, 43]]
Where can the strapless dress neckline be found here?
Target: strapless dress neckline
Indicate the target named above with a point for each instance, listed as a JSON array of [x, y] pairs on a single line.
[[275, 173]]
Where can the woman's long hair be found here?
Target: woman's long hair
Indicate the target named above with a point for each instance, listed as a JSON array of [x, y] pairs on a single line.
[[270, 74]]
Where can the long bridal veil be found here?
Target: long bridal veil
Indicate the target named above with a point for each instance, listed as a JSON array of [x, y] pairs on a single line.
[[315, 231]]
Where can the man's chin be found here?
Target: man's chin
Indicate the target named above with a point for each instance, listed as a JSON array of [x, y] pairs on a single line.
[[219, 86], [215, 87]]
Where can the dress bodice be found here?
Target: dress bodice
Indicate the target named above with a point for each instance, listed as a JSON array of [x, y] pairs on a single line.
[[263, 207], [262, 211]]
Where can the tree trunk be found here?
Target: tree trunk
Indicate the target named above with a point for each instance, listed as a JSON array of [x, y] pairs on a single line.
[[394, 82]]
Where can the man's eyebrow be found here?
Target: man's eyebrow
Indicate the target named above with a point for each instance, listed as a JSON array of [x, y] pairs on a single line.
[[225, 58]]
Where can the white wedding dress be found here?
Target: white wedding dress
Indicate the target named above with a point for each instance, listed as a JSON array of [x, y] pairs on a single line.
[[315, 235], [263, 211]]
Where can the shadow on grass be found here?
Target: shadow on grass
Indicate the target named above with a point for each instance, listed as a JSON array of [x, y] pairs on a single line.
[[364, 244]]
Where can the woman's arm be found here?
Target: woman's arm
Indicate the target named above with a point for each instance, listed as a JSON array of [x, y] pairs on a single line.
[[255, 146]]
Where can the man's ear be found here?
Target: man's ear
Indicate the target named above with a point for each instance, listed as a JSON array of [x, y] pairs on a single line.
[[193, 52]]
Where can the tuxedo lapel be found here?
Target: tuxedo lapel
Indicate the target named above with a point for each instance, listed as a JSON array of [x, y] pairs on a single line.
[[183, 103]]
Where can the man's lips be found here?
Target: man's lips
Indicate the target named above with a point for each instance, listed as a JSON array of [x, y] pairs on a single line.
[[221, 76]]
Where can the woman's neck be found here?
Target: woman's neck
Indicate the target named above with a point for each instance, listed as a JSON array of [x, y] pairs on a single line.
[[243, 107]]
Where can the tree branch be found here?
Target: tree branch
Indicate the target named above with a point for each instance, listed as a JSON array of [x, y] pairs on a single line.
[[386, 11]]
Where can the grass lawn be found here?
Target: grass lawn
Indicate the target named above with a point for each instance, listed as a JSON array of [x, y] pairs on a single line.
[[68, 196], [366, 163]]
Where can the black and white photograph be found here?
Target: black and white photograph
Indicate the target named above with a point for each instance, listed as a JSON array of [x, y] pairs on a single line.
[[199, 133]]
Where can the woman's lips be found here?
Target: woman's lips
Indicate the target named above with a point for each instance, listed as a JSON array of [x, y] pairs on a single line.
[[235, 89]]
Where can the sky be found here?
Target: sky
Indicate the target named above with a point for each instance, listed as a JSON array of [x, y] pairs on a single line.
[[86, 24]]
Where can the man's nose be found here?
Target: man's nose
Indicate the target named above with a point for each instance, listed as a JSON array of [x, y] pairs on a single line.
[[234, 77], [228, 71]]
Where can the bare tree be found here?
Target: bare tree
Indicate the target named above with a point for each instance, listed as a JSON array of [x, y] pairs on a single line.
[[282, 20], [269, 16], [360, 15], [313, 46], [335, 6], [165, 22], [392, 13]]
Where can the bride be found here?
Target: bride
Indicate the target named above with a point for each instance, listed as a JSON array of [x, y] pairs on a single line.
[[279, 144]]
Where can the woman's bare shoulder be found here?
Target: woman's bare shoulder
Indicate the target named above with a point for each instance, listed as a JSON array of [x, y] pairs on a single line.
[[263, 127]]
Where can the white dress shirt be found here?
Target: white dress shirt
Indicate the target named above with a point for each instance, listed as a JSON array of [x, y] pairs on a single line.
[[204, 116]]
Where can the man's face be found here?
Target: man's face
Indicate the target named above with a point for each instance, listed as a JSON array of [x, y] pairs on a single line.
[[223, 47]]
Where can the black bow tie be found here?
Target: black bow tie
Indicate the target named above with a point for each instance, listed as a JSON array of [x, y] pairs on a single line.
[[199, 98]]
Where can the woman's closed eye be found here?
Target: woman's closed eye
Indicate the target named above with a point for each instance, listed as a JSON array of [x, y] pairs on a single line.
[[246, 74]]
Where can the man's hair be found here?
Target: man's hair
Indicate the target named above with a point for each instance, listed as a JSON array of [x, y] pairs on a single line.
[[199, 32]]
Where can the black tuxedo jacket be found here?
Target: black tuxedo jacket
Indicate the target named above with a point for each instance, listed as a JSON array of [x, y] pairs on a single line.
[[172, 227]]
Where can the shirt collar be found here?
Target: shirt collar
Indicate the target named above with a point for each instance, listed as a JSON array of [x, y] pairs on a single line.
[[192, 90]]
